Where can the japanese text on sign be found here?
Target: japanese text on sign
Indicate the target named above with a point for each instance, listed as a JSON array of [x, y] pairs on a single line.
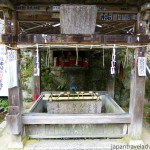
[[141, 66], [3, 73]]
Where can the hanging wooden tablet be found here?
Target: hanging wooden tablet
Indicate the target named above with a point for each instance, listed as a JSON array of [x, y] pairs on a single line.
[[141, 66]]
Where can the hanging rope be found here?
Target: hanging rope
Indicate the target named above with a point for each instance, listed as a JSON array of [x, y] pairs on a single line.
[[77, 56], [103, 58], [106, 46], [49, 56]]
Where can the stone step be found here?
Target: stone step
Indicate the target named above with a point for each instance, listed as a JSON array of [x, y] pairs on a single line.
[[83, 144]]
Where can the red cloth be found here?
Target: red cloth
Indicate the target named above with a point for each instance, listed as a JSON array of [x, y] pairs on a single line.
[[35, 97]]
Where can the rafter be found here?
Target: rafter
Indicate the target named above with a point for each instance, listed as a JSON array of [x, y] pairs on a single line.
[[7, 4]]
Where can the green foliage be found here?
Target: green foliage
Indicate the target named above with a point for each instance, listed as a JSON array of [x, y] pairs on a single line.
[[26, 68], [4, 104], [147, 83], [46, 78], [122, 87], [147, 112], [61, 86], [147, 88], [51, 79]]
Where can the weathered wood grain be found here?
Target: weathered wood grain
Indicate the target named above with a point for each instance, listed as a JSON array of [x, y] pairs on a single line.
[[37, 85], [14, 97], [14, 123], [76, 39], [13, 110], [75, 119], [36, 16], [76, 131], [137, 91], [56, 8], [111, 87]]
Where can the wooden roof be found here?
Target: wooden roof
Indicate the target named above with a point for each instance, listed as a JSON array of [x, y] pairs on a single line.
[[97, 2], [29, 24]]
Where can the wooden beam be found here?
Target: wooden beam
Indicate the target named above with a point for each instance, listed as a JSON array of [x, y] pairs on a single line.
[[7, 4], [145, 7], [56, 8], [34, 16], [44, 16], [40, 118], [90, 39], [76, 39]]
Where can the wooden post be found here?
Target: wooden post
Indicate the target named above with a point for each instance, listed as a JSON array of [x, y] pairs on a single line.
[[111, 80], [137, 91], [111, 87], [137, 87], [14, 91], [7, 21]]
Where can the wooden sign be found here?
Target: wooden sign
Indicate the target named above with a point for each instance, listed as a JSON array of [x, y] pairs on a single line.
[[115, 38], [45, 8], [108, 8], [141, 66], [12, 68], [34, 16], [2, 26], [116, 17]]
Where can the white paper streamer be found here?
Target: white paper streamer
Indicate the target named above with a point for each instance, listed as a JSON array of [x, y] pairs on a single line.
[[112, 70], [12, 69], [36, 62]]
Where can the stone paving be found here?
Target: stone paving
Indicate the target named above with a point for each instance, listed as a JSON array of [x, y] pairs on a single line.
[[95, 144], [2, 126], [88, 144]]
